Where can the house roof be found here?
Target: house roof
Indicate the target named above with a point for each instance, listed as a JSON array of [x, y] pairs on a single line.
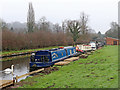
[[113, 38]]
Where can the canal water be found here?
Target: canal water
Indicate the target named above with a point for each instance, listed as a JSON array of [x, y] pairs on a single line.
[[21, 66]]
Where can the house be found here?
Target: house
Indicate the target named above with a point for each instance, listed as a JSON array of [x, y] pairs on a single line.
[[112, 41]]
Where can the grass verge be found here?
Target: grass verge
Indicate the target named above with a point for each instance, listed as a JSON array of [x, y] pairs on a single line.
[[22, 51], [28, 50], [99, 70]]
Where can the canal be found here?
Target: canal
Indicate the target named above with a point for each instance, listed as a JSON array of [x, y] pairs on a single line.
[[21, 66]]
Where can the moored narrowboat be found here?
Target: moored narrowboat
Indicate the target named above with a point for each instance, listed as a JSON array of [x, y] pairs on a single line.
[[44, 58]]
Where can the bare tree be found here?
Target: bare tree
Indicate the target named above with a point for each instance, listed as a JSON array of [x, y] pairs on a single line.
[[57, 28], [65, 27], [74, 27], [84, 22], [44, 24], [3, 24], [30, 18], [113, 31]]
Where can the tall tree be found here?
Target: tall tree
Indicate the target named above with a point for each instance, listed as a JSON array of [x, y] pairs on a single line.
[[74, 27], [3, 24], [57, 28], [113, 31], [99, 34], [84, 22], [30, 18], [44, 24], [63, 27]]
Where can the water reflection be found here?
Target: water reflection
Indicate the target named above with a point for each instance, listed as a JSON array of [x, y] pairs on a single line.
[[21, 66]]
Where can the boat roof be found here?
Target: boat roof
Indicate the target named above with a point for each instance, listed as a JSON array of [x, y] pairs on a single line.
[[55, 49], [68, 47]]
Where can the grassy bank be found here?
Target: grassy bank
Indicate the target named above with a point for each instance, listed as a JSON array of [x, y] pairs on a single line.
[[15, 58], [27, 50], [99, 70], [22, 51]]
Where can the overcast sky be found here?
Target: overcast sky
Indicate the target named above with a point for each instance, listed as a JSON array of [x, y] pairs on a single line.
[[101, 12]]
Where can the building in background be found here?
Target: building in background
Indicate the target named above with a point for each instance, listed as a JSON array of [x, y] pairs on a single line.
[[112, 41]]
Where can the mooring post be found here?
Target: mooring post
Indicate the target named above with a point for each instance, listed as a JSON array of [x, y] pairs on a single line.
[[16, 78]]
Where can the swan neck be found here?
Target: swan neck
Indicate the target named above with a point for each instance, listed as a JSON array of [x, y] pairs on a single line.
[[12, 68]]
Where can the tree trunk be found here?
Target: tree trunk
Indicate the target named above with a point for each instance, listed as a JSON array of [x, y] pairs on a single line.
[[74, 43]]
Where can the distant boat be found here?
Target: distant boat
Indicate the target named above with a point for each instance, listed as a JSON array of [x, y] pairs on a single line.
[[8, 70]]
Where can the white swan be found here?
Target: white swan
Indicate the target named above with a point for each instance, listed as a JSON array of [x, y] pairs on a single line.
[[8, 70]]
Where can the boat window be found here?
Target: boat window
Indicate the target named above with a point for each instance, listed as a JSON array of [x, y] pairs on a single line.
[[62, 53], [74, 50], [44, 59], [32, 58], [66, 52], [70, 51]]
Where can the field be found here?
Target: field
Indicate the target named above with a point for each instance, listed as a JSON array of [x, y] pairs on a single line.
[[99, 70]]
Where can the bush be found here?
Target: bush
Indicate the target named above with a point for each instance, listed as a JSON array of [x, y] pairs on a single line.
[[39, 39]]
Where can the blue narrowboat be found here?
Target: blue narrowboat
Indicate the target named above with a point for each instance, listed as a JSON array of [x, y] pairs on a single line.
[[45, 58]]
